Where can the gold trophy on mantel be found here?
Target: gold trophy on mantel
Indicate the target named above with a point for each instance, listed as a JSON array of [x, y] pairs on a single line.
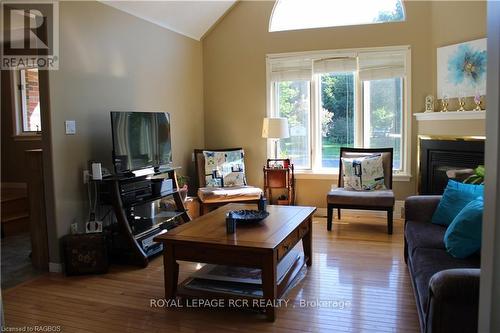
[[444, 103], [477, 101], [461, 103]]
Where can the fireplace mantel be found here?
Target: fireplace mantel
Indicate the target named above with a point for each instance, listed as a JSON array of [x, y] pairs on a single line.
[[450, 115]]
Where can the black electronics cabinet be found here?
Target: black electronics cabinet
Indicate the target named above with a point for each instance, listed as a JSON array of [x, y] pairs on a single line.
[[144, 207]]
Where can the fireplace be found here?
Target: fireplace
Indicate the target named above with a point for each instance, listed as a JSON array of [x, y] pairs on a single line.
[[437, 156]]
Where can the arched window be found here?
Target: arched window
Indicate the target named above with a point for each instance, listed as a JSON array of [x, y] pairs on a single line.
[[307, 14]]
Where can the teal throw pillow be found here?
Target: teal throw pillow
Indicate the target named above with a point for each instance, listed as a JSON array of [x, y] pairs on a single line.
[[463, 236], [455, 197]]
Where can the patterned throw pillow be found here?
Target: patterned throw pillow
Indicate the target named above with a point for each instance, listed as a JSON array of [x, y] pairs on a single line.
[[363, 173], [224, 168]]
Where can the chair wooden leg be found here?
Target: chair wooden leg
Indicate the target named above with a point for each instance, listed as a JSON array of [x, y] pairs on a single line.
[[202, 208], [389, 221], [338, 213], [329, 217]]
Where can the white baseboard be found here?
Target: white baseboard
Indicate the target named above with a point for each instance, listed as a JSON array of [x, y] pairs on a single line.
[[14, 185], [55, 267], [398, 210]]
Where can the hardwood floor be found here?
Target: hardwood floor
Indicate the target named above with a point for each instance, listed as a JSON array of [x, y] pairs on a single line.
[[358, 275]]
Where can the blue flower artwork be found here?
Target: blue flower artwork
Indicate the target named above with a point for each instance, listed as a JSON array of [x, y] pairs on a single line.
[[466, 65], [462, 69]]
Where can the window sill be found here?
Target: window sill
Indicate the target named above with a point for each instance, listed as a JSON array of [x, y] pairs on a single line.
[[322, 175], [27, 137]]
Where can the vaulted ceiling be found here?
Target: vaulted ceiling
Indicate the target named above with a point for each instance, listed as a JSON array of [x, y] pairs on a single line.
[[189, 18]]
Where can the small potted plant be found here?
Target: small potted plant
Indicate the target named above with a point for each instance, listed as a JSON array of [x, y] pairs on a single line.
[[182, 182], [477, 177]]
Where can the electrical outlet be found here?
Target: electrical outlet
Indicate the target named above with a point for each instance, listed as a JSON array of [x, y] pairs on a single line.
[[74, 228], [86, 176]]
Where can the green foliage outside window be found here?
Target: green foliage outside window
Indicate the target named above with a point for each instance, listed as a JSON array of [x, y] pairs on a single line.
[[337, 115]]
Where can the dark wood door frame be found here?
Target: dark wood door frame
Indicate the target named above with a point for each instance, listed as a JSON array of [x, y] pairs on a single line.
[[48, 178], [48, 171]]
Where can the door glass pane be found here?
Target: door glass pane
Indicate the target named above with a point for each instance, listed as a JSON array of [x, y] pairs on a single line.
[[30, 101], [337, 116], [383, 110], [293, 98]]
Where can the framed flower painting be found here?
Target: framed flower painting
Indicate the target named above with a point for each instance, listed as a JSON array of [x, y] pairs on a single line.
[[461, 69]]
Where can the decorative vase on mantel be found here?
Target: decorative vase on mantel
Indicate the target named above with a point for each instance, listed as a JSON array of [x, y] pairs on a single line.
[[477, 101]]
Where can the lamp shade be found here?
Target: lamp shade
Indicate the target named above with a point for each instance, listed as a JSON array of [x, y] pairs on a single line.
[[275, 128]]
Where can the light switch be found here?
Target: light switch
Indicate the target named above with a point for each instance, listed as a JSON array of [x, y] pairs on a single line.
[[70, 127]]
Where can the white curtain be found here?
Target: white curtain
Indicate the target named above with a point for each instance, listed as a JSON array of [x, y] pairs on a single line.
[[291, 69], [381, 65], [335, 65]]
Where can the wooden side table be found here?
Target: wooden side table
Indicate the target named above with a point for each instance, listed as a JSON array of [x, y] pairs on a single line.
[[279, 175], [192, 205]]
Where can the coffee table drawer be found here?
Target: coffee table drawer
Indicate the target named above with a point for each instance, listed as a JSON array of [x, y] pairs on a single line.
[[288, 243], [303, 229]]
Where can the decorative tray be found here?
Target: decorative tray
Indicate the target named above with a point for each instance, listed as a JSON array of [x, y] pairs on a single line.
[[249, 216]]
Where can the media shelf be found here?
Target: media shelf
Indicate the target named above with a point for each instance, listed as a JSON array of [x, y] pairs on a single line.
[[145, 207]]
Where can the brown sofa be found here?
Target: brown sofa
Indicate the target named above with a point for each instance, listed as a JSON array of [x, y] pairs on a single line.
[[446, 288]]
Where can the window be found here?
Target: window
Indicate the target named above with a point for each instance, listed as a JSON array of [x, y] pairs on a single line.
[[293, 14], [348, 98], [28, 120], [293, 98], [383, 108], [337, 116]]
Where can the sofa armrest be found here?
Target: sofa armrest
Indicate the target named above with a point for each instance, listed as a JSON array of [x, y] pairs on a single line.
[[455, 284], [421, 207], [453, 301]]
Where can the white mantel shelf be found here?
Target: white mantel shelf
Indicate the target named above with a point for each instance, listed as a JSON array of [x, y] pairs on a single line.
[[450, 115]]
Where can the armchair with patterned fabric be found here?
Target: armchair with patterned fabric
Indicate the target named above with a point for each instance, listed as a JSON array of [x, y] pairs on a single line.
[[221, 178], [382, 199]]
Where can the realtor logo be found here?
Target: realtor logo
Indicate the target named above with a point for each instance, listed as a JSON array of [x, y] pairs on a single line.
[[30, 34]]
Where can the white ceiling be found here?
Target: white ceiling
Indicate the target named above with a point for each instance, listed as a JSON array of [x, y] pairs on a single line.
[[191, 18]]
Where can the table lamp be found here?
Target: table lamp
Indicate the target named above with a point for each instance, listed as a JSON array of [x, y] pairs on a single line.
[[276, 129]]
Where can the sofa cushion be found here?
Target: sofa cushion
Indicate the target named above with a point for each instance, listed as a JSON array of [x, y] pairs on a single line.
[[455, 197], [425, 262], [463, 236], [342, 196], [424, 235]]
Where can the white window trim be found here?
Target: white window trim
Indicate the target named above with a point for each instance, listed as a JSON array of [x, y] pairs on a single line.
[[404, 175], [334, 176], [18, 99]]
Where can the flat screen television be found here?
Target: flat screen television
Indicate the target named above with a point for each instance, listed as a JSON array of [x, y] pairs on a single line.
[[141, 140]]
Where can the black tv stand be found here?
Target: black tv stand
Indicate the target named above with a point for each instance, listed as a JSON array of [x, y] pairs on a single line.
[[144, 207]]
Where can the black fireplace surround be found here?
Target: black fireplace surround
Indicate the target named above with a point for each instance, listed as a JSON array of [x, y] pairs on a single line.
[[438, 156]]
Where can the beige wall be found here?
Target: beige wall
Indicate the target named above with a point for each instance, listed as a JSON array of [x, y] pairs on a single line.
[[114, 61], [235, 82], [455, 22], [454, 15]]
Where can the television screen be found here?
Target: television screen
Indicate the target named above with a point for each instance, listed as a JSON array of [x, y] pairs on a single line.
[[140, 140]]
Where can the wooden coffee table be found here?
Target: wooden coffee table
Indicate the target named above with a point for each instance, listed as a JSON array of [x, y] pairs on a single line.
[[260, 246]]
